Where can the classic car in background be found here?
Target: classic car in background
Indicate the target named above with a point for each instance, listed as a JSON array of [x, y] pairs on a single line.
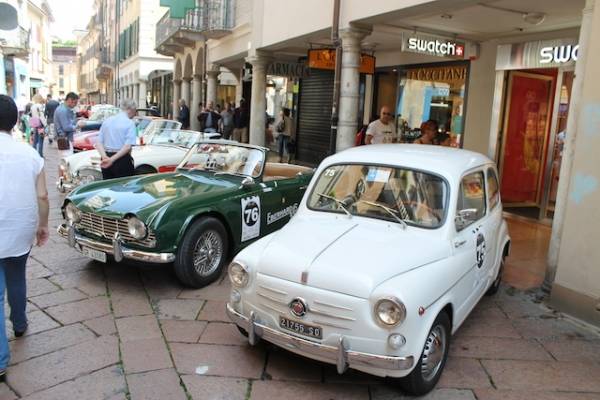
[[99, 114], [391, 248], [223, 196], [164, 150]]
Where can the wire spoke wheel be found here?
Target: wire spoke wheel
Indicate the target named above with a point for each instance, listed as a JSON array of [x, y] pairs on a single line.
[[208, 253], [433, 353]]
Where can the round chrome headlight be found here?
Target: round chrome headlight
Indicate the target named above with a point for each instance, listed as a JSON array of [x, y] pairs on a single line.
[[390, 311], [72, 213], [238, 274], [137, 228]]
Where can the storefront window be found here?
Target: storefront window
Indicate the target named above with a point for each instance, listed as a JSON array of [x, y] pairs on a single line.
[[280, 94], [432, 93]]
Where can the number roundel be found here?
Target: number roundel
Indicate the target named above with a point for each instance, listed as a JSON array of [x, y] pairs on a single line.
[[251, 213]]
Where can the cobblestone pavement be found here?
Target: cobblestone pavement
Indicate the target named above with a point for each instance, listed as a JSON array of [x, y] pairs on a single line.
[[115, 332]]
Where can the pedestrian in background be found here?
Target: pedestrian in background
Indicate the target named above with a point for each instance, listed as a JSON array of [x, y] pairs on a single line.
[[24, 124], [382, 130], [209, 119], [429, 130], [65, 122], [51, 106], [24, 214], [38, 123], [115, 140], [285, 133], [184, 114], [227, 121], [241, 119]]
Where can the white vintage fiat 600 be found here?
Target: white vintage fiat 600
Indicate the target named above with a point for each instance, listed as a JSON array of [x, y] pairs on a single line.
[[391, 248]]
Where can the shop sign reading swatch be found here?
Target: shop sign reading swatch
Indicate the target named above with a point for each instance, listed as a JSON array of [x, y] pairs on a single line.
[[432, 45]]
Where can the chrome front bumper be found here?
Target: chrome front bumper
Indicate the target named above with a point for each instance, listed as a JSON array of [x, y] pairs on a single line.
[[339, 355], [63, 186], [116, 249]]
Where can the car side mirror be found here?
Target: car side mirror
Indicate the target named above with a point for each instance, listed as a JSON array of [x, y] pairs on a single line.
[[247, 182], [465, 217]]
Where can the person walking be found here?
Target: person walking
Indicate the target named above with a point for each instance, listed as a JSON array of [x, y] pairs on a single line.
[[382, 130], [38, 123], [429, 130], [285, 134], [65, 122], [115, 140], [51, 106], [184, 114], [227, 121], [209, 119], [241, 120], [24, 124], [24, 213]]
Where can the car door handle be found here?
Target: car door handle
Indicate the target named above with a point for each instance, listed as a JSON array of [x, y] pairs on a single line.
[[459, 243]]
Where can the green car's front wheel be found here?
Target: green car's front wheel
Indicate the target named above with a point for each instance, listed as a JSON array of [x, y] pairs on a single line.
[[202, 253]]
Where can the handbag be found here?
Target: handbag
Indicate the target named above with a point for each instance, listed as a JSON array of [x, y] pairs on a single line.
[[63, 143]]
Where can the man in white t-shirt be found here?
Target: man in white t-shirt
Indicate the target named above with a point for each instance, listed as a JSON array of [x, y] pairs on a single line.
[[382, 130], [23, 221]]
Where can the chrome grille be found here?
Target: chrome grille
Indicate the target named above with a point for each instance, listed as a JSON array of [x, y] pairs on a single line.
[[107, 227]]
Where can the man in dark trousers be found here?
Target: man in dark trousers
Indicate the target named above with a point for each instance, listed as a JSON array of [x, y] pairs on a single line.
[[51, 106], [117, 136], [241, 119], [209, 119], [184, 114]]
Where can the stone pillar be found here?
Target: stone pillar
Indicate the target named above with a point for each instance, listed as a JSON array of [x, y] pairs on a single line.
[[176, 97], [185, 90], [142, 94], [211, 84], [258, 104], [573, 127], [349, 86], [196, 99], [136, 94]]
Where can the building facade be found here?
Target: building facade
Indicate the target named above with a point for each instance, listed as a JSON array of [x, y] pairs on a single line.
[[66, 70], [40, 52]]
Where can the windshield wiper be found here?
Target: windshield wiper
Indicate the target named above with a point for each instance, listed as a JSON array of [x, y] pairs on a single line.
[[339, 202], [390, 211]]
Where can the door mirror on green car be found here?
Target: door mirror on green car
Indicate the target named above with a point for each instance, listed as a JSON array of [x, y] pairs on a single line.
[[247, 182]]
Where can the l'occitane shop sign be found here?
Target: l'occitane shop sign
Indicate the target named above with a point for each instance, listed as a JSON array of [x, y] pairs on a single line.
[[450, 74]]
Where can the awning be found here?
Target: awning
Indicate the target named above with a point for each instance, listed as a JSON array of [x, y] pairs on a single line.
[[178, 8]]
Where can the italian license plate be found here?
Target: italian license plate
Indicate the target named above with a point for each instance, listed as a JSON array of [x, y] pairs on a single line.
[[301, 328], [93, 254]]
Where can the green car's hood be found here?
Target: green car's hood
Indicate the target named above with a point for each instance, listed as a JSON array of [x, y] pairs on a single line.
[[145, 195]]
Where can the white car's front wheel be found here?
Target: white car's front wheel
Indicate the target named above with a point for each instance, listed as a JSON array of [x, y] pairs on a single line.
[[433, 358]]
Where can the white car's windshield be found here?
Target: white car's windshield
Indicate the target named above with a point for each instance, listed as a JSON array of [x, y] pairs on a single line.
[[225, 158], [390, 193], [176, 137], [102, 113]]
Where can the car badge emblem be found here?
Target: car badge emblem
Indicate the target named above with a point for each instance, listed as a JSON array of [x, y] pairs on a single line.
[[298, 307], [304, 277]]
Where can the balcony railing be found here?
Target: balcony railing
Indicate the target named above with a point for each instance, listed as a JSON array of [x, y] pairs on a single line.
[[211, 20], [16, 43]]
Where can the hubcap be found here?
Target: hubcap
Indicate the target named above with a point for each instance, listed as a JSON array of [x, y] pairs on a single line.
[[433, 353], [208, 253]]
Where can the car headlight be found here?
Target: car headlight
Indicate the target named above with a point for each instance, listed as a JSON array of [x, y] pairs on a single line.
[[63, 168], [238, 274], [137, 228], [72, 213], [390, 311]]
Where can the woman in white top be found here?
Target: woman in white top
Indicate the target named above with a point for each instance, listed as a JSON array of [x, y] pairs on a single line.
[[23, 221], [38, 123]]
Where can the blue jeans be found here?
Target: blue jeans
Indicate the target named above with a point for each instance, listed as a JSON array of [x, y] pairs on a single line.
[[12, 278], [38, 142], [282, 144]]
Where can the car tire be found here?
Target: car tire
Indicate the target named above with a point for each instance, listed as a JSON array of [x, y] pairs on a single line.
[[425, 376], [202, 253], [144, 170], [496, 284]]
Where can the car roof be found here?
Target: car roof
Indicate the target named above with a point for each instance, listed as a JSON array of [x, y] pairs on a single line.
[[447, 161]]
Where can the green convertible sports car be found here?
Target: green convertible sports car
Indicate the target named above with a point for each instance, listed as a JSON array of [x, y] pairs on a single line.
[[222, 196]]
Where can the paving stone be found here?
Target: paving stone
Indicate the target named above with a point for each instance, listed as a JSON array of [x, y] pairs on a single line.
[[35, 270], [182, 331], [90, 281], [161, 284], [54, 368], [544, 376], [498, 348], [574, 350], [464, 373], [223, 333], [136, 328], [490, 321], [519, 305], [70, 262], [107, 383], [218, 360], [215, 388], [80, 310], [178, 308], [286, 366], [145, 355], [56, 298], [214, 292], [214, 311], [156, 385], [55, 254], [307, 390], [46, 342], [102, 325], [491, 394], [551, 328], [132, 303], [37, 322], [6, 393], [389, 392], [36, 287]]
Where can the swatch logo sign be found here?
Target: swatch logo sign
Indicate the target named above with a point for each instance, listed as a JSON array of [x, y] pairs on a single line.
[[559, 54], [436, 47]]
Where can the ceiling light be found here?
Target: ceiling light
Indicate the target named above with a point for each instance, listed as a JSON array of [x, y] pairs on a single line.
[[534, 18]]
